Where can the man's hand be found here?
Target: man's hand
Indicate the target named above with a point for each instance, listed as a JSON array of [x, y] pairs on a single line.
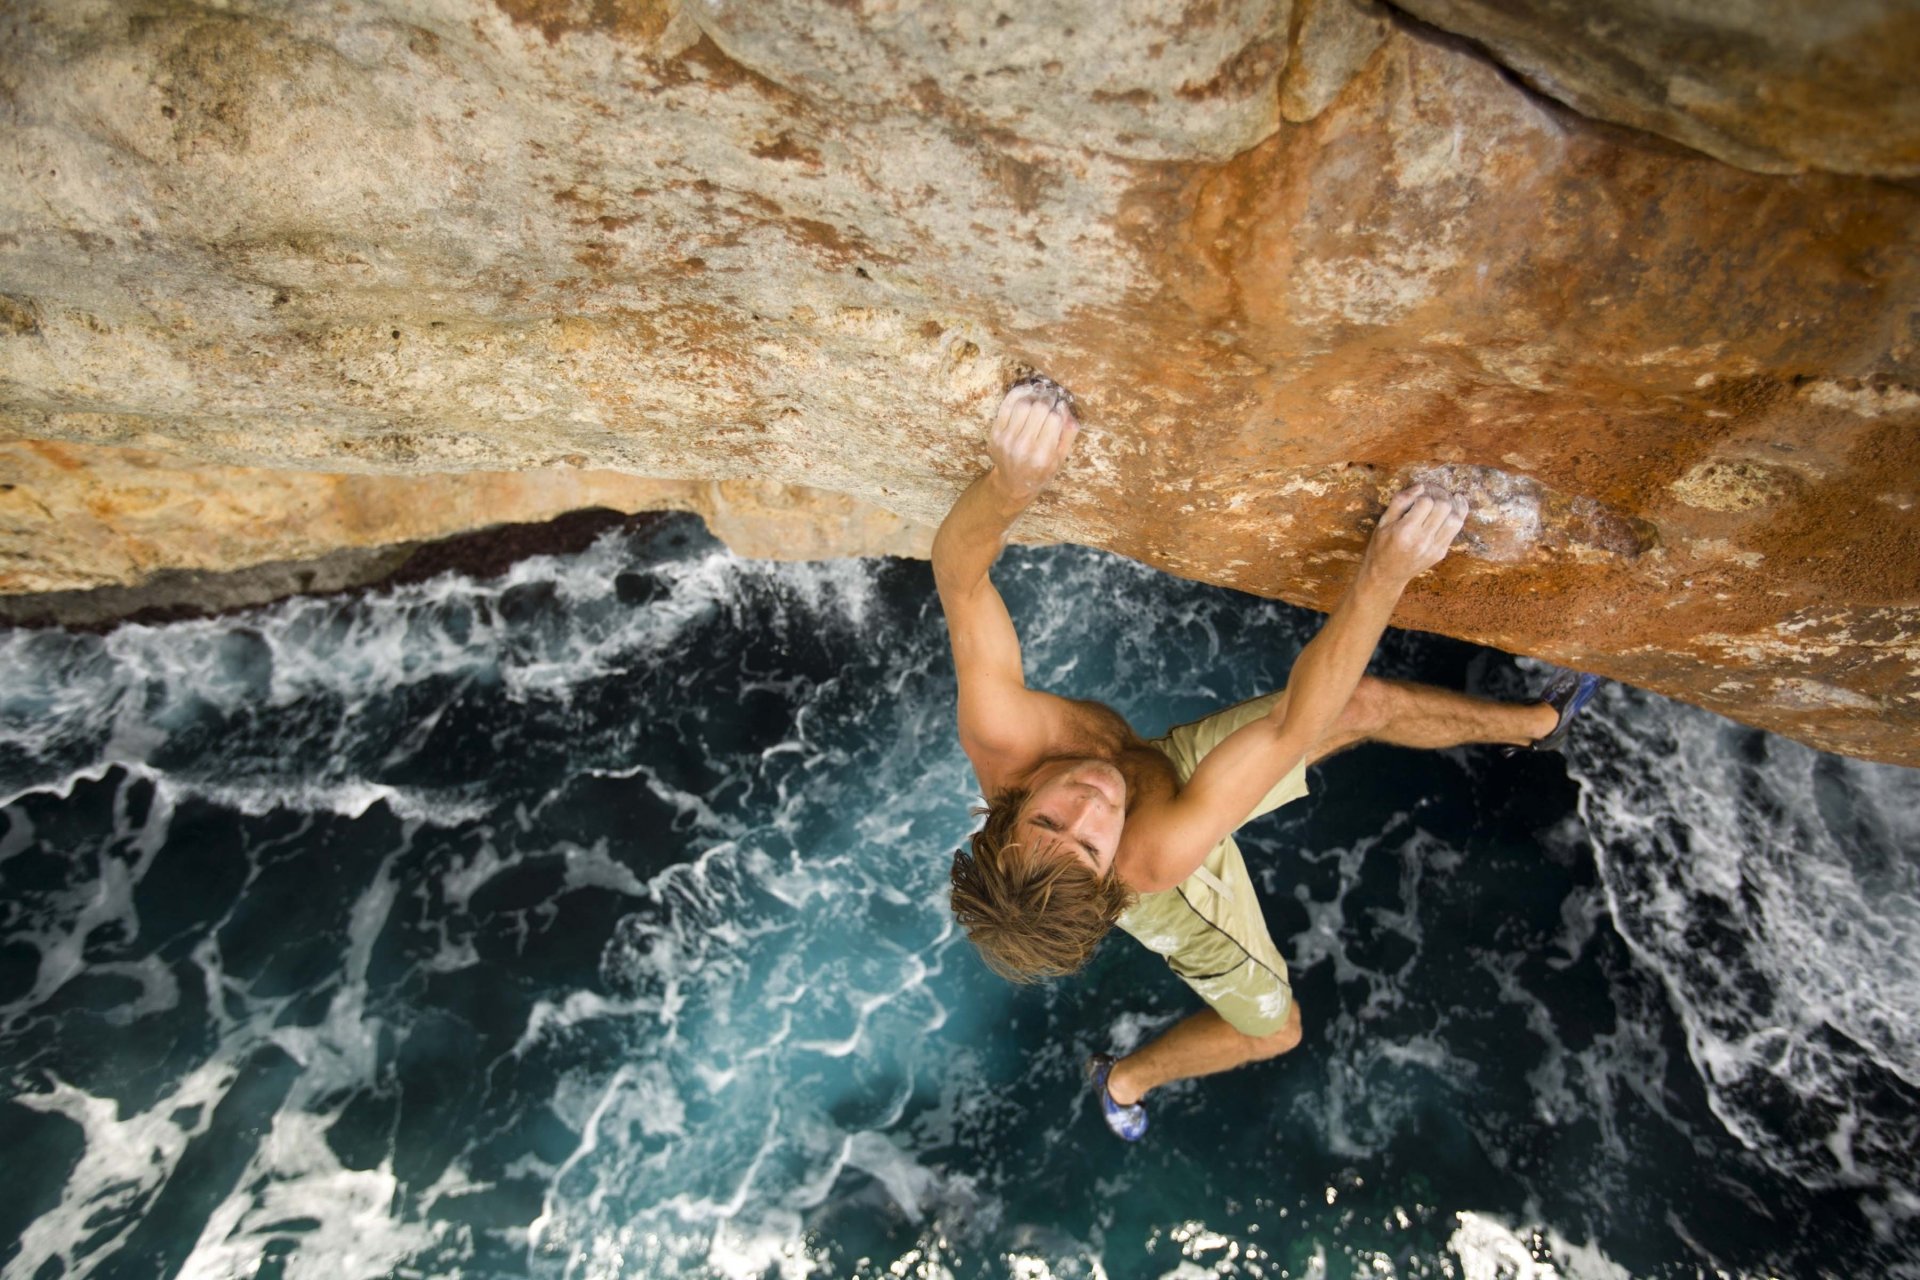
[[1030, 438], [1414, 532]]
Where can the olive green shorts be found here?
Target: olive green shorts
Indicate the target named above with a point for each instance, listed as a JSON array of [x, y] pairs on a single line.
[[1210, 927]]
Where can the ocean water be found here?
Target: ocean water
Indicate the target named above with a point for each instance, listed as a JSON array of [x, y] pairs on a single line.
[[590, 921]]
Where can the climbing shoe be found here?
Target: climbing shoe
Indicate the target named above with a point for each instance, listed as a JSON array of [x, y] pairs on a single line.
[[1129, 1123], [1566, 692]]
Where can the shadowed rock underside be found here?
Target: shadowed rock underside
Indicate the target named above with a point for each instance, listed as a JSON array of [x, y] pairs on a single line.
[[278, 279]]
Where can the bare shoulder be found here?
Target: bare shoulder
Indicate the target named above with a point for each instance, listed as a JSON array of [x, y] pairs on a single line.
[[1153, 823], [1025, 731], [1138, 859], [1046, 727]]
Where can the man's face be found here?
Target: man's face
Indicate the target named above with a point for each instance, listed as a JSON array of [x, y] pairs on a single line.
[[1078, 806]]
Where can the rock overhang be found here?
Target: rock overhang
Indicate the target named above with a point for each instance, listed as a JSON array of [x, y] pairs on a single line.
[[714, 245]]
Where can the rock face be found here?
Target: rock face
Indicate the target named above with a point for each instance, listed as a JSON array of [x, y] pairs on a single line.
[[273, 274], [1774, 85], [78, 516]]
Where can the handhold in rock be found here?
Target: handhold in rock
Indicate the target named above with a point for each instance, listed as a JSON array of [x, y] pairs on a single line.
[[1046, 386]]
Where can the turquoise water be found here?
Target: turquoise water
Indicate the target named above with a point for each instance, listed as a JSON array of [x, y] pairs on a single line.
[[590, 922]]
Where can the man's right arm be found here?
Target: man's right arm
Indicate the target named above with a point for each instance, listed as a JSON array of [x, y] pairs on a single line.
[[1003, 724]]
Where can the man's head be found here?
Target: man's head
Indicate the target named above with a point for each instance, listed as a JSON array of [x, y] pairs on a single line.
[[1076, 806], [1035, 889]]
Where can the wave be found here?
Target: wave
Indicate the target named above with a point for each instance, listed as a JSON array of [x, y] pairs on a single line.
[[75, 703], [1766, 884]]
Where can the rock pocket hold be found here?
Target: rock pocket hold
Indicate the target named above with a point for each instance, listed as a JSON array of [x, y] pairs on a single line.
[[1515, 518]]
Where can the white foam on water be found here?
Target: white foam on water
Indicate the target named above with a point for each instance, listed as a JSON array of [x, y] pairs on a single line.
[[159, 989], [59, 923], [62, 787], [349, 1230], [1327, 933], [125, 1159], [547, 1017], [1051, 1254], [1489, 1249], [688, 805], [347, 799], [780, 1250], [85, 692], [464, 876], [597, 868], [1205, 1250], [1763, 883], [1374, 1079], [1132, 1029], [911, 1184], [291, 1176], [18, 837]]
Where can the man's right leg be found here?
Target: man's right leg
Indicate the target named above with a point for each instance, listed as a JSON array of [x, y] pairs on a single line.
[[1198, 1045]]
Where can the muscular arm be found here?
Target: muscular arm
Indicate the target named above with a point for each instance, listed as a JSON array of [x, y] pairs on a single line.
[[1004, 726], [1164, 845]]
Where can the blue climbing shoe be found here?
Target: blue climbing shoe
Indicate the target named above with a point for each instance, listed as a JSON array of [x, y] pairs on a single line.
[[1126, 1122], [1566, 692]]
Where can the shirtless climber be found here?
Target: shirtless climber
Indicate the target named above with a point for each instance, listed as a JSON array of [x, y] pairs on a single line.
[[1089, 825]]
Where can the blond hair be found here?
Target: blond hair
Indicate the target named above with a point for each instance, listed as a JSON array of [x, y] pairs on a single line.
[[1032, 911]]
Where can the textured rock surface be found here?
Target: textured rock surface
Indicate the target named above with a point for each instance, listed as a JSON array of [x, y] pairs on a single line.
[[74, 517], [1774, 85], [1330, 41], [766, 247]]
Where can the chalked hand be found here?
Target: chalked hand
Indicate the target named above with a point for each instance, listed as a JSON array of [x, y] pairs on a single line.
[[1031, 435], [1415, 531]]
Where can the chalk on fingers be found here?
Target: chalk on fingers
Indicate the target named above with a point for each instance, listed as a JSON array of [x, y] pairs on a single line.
[[1046, 388]]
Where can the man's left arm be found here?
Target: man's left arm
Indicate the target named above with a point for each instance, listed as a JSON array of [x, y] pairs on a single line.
[[1165, 844]]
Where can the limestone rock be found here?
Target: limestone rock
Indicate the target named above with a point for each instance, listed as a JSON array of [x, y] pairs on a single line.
[[449, 262], [1331, 40], [1139, 78], [1774, 85], [74, 517]]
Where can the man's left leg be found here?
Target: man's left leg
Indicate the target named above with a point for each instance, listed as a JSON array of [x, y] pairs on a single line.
[[1390, 711], [1426, 716]]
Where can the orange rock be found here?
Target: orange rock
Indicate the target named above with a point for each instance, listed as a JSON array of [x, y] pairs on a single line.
[[275, 285]]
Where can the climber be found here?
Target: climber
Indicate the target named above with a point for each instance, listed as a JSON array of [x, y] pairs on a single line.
[[1088, 825]]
